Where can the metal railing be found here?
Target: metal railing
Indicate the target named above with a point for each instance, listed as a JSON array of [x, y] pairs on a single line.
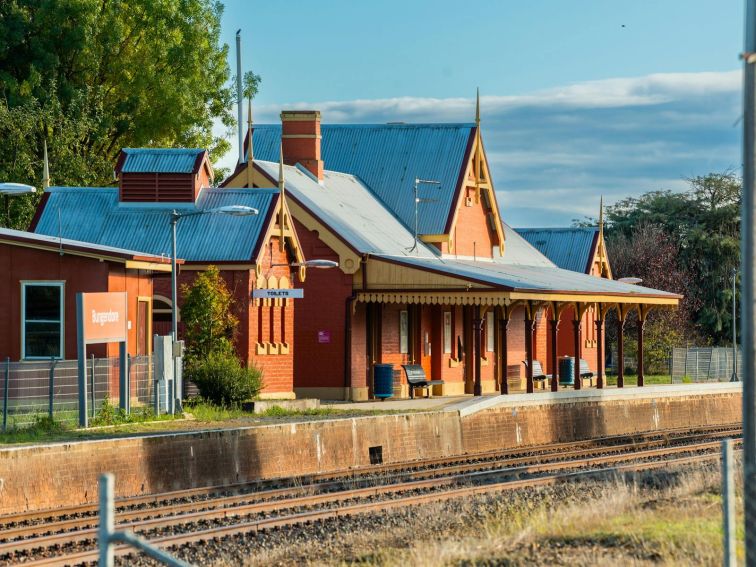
[[49, 388]]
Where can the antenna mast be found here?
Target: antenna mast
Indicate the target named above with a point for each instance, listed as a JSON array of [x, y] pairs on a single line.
[[419, 181]]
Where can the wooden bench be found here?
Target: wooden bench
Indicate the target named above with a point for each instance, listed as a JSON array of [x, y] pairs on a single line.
[[416, 379], [539, 376], [585, 372]]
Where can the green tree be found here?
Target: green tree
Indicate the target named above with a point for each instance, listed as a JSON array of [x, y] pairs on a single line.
[[93, 76], [703, 225], [209, 324]]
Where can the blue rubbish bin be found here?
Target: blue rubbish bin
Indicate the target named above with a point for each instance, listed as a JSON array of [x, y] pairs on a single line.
[[383, 380], [567, 370]]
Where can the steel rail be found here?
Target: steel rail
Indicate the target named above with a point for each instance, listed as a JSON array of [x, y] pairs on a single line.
[[327, 499], [278, 495], [310, 479], [370, 507]]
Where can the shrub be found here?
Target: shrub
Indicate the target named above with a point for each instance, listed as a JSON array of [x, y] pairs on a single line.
[[221, 379]]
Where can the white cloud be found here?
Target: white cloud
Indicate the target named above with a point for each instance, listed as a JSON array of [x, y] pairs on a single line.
[[562, 147]]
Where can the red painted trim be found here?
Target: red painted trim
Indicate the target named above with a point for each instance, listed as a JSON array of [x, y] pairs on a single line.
[[39, 211], [460, 180]]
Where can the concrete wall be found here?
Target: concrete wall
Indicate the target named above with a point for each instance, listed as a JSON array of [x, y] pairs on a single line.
[[60, 474]]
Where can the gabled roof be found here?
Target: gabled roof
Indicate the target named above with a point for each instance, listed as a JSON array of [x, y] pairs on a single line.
[[569, 248], [388, 158], [68, 246], [343, 203], [160, 160], [95, 215]]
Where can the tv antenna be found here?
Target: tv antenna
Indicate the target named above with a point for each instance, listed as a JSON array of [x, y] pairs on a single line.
[[418, 200]]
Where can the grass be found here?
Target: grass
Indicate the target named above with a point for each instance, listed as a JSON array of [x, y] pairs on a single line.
[[614, 523], [206, 412], [632, 379]]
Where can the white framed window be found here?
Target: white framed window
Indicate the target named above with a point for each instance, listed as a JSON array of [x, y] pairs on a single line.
[[403, 332], [447, 332], [42, 319], [489, 331]]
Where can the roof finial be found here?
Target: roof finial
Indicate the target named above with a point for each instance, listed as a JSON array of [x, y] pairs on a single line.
[[601, 216], [477, 107], [45, 168]]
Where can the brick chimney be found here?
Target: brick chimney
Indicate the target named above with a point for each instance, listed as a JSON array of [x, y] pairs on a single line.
[[300, 137]]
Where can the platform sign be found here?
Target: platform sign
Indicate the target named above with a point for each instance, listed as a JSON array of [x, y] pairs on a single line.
[[278, 293], [102, 318]]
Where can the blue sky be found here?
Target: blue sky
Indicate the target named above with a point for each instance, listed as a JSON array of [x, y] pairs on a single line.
[[574, 105]]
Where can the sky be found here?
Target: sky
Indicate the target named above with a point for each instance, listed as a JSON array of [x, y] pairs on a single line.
[[578, 99]]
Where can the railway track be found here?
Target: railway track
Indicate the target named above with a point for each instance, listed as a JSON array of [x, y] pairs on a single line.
[[68, 536]]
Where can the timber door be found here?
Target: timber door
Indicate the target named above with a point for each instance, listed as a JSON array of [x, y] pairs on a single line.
[[142, 328], [374, 323], [427, 340], [467, 349]]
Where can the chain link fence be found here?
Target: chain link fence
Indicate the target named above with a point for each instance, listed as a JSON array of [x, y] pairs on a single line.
[[703, 364], [32, 390]]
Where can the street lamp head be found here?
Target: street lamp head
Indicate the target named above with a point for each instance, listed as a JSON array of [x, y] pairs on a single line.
[[16, 189], [321, 264], [235, 210]]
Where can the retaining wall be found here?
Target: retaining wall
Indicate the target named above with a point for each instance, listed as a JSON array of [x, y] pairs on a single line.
[[59, 474]]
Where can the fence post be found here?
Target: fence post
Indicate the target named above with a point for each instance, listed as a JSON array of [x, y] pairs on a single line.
[[156, 396], [94, 399], [51, 394], [728, 504], [5, 393], [107, 521]]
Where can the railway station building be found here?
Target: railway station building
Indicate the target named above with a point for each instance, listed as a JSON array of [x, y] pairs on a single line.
[[251, 252], [429, 273]]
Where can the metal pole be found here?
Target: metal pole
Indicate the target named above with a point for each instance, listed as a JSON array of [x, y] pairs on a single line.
[[5, 393], [51, 394], [748, 283], [107, 522], [94, 399], [82, 362], [734, 377], [239, 113], [728, 504], [174, 320]]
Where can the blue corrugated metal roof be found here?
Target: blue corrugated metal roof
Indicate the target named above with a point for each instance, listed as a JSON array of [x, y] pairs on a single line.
[[160, 160], [95, 215], [388, 158], [568, 248]]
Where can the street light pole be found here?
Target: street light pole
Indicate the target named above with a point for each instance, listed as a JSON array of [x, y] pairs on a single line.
[[175, 216], [748, 282]]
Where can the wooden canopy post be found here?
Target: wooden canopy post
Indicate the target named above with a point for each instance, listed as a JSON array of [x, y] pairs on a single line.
[[601, 312], [554, 359], [642, 317], [622, 312], [529, 326], [579, 312], [477, 341], [503, 355]]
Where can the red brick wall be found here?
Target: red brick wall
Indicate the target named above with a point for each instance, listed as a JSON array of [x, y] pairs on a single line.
[[321, 364]]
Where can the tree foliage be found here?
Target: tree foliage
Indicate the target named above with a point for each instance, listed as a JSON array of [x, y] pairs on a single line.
[[703, 226], [209, 324], [93, 76]]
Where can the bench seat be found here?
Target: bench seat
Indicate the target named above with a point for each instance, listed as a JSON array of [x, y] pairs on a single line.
[[416, 378]]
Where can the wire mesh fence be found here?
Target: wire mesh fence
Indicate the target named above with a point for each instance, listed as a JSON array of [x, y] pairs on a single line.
[[32, 390], [703, 364]]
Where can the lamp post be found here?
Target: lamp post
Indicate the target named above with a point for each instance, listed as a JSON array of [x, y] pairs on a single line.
[[232, 210]]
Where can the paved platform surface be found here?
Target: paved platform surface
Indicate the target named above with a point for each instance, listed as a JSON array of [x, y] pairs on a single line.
[[473, 405], [417, 404]]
